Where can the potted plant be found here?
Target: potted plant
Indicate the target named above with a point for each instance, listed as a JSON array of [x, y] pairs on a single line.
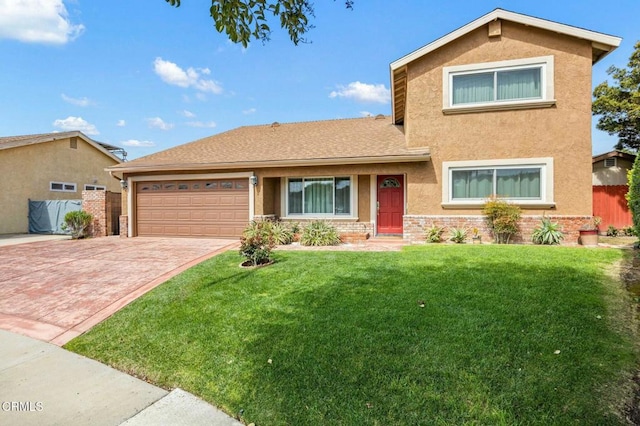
[[476, 237], [589, 232]]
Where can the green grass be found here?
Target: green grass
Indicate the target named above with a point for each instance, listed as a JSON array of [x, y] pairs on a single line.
[[349, 343]]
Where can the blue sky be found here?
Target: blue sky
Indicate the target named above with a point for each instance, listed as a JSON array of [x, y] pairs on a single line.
[[146, 76]]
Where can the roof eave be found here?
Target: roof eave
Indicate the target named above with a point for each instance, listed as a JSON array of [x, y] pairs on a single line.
[[598, 39], [403, 158], [615, 153]]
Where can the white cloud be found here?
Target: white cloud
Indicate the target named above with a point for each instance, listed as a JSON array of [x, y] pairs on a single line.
[[76, 123], [137, 144], [121, 123], [365, 113], [159, 123], [83, 102], [249, 111], [362, 92], [187, 114], [209, 124], [171, 73], [37, 21]]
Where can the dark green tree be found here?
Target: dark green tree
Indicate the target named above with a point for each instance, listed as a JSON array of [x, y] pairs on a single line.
[[618, 105], [245, 20], [633, 196]]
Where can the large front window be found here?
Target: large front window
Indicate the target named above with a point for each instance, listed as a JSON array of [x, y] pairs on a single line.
[[320, 196], [517, 183], [524, 181]]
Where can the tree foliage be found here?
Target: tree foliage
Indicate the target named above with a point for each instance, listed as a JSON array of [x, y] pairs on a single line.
[[633, 196], [244, 20], [618, 105]]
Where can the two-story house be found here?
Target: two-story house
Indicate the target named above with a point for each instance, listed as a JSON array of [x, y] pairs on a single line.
[[499, 107]]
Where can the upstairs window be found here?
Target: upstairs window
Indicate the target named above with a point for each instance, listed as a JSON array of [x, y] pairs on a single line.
[[514, 84], [499, 85]]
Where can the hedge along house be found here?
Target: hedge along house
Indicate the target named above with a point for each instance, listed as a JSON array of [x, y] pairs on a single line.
[[491, 109]]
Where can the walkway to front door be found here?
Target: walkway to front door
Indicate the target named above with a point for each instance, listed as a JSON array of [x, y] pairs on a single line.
[[390, 204]]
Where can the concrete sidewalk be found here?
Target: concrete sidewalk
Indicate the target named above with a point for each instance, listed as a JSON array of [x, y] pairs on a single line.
[[42, 384]]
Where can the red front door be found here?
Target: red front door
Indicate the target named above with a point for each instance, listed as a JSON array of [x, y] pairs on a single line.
[[390, 204]]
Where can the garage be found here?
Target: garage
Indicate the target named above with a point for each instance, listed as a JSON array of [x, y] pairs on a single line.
[[198, 208]]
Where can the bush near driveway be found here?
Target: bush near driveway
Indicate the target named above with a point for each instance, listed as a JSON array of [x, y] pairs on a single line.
[[451, 334]]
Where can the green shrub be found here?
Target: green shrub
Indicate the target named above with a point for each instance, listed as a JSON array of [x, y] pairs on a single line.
[[547, 233], [319, 233], [612, 231], [77, 223], [257, 242], [628, 231], [458, 235], [502, 218], [282, 234], [633, 196], [434, 234]]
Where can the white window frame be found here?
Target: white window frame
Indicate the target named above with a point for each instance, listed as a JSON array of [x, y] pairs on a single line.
[[547, 99], [545, 164], [91, 187], [64, 186], [613, 162], [353, 199]]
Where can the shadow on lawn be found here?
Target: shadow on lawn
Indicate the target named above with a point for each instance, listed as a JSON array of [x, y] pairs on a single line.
[[360, 348]]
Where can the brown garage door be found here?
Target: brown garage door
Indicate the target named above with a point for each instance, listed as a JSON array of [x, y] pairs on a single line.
[[211, 208]]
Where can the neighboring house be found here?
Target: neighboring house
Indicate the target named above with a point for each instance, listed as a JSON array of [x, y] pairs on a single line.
[[52, 166], [610, 186], [501, 106]]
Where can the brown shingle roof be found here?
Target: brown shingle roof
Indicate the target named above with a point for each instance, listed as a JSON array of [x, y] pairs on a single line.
[[315, 142]]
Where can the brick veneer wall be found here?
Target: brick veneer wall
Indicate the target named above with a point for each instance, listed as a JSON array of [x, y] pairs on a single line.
[[102, 205], [415, 225], [124, 226], [343, 227]]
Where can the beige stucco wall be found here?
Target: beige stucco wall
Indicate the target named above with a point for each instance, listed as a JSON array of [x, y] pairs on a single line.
[[562, 132], [268, 191], [611, 175], [28, 170]]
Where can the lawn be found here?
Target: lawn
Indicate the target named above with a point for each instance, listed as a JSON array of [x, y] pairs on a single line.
[[437, 335]]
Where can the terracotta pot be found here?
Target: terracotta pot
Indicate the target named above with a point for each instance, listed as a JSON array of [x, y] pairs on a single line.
[[589, 237]]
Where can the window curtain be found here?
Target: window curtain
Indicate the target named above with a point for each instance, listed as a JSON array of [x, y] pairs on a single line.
[[318, 195], [472, 183], [472, 88], [295, 196], [519, 84], [343, 196], [518, 183]]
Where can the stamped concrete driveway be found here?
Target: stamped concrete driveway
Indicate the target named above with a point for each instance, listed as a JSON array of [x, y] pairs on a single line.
[[56, 290]]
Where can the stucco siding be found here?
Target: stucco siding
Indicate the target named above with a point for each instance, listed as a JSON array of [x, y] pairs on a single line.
[[28, 170], [616, 175], [561, 132]]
